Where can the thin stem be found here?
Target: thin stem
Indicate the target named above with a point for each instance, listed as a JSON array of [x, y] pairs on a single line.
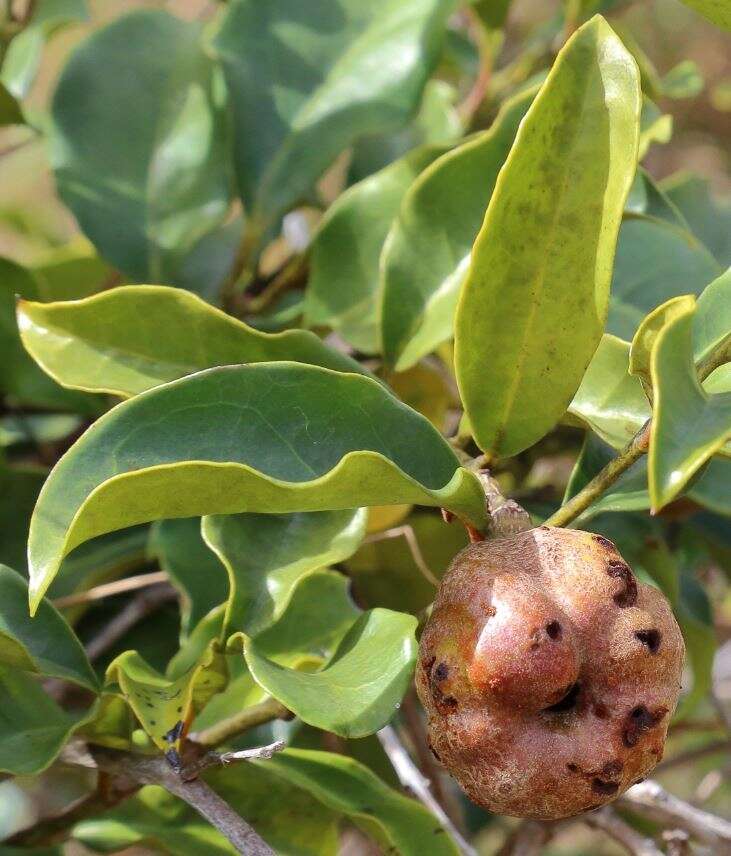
[[291, 273], [604, 479], [250, 717], [407, 533], [528, 839], [719, 356], [609, 822], [108, 589], [411, 778]]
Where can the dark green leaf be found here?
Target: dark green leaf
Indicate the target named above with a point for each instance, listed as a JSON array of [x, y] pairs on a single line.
[[277, 437], [533, 304], [709, 219], [19, 489], [139, 142]]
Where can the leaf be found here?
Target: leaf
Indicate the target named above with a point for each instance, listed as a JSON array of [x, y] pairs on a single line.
[[193, 567], [33, 728], [684, 80], [688, 425], [45, 644], [342, 289], [350, 788], [70, 272], [23, 57], [165, 708], [11, 112], [542, 262], [428, 248], [266, 555], [150, 177], [360, 688], [711, 488], [17, 429], [20, 377], [315, 84], [716, 11], [610, 400], [133, 338], [646, 197], [427, 390], [712, 320], [655, 261], [655, 127], [709, 219], [245, 438], [19, 489]]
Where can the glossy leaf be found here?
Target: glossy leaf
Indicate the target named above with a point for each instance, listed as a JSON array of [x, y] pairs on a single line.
[[646, 336], [688, 425], [266, 555], [45, 644], [350, 788], [543, 258], [150, 177], [712, 319], [243, 438], [194, 568], [33, 728], [610, 400], [427, 252], [303, 88], [709, 219], [19, 489], [655, 261], [165, 708], [71, 271], [23, 57], [655, 127], [717, 11], [360, 688], [342, 291], [130, 339]]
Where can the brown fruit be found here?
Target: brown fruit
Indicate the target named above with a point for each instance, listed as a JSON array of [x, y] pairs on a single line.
[[548, 672]]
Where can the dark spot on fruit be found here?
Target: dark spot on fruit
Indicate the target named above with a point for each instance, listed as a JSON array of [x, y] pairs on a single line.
[[621, 571], [605, 542], [573, 768], [569, 701], [553, 629], [606, 789], [601, 711], [612, 768], [441, 672], [427, 664], [638, 722], [651, 638]]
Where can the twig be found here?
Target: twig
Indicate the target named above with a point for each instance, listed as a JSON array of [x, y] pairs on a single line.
[[137, 609], [478, 91], [290, 273], [407, 532], [677, 842], [609, 822], [216, 759], [411, 778], [109, 589], [250, 717], [528, 839], [653, 801]]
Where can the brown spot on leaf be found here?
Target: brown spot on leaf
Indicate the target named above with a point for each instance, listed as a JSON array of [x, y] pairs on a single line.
[[622, 571]]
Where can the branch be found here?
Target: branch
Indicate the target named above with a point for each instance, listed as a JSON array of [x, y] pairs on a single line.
[[411, 778], [609, 822], [216, 759], [528, 839], [109, 589], [258, 714], [652, 800]]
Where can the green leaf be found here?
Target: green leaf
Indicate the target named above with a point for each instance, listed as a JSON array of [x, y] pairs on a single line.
[[266, 555], [130, 339], [684, 80], [717, 11], [150, 177], [709, 219], [688, 425], [193, 567], [19, 489], [655, 261], [342, 290], [33, 728], [711, 489], [655, 126], [20, 377], [18, 429], [533, 304], [360, 688], [164, 707], [312, 85], [11, 112], [428, 248], [23, 57], [646, 197], [45, 644], [610, 400], [277, 437], [350, 788], [70, 272]]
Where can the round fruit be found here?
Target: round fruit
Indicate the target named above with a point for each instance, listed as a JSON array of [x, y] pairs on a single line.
[[548, 672]]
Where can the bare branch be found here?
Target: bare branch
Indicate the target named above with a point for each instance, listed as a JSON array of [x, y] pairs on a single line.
[[216, 759], [609, 822], [677, 842], [411, 778], [528, 839], [109, 589], [653, 801]]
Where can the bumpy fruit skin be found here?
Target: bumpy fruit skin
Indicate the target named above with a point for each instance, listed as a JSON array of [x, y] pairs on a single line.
[[548, 672]]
